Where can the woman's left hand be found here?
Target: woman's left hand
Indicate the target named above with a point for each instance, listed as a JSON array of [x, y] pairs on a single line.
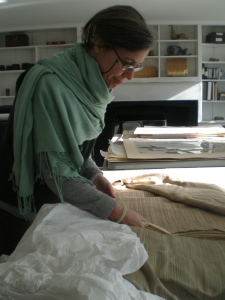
[[103, 185]]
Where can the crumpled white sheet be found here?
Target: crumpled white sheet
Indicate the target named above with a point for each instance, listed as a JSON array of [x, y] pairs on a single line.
[[70, 254]]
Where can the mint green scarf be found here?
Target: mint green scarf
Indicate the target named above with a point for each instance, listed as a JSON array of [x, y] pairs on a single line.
[[60, 105]]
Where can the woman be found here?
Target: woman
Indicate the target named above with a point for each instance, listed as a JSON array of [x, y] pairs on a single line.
[[59, 112]]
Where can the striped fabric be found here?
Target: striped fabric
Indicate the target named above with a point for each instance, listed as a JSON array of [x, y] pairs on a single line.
[[182, 208], [185, 237], [181, 268]]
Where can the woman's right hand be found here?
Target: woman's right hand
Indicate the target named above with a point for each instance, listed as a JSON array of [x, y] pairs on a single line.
[[131, 218]]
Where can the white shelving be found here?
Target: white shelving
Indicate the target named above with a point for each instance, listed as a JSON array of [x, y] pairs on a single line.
[[160, 57], [37, 49], [213, 62], [198, 52]]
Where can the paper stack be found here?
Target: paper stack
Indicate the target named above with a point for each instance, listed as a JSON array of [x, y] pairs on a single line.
[[168, 143]]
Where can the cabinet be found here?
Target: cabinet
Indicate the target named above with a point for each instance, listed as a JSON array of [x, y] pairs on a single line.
[[176, 42], [213, 76], [25, 55]]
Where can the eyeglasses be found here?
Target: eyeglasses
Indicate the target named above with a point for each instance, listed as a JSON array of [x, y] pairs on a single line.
[[126, 67]]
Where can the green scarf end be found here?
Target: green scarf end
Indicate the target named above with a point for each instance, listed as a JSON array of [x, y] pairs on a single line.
[[26, 205]]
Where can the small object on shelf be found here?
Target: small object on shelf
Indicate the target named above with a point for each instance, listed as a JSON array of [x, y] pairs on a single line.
[[55, 43], [26, 66], [2, 68], [173, 34], [16, 40], [182, 36], [219, 118], [15, 67], [10, 67], [222, 96], [151, 53], [7, 92], [213, 59], [176, 50], [215, 37], [147, 72], [177, 67]]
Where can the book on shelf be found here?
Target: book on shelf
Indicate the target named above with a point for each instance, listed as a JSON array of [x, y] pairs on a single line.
[[211, 91], [222, 96], [212, 73]]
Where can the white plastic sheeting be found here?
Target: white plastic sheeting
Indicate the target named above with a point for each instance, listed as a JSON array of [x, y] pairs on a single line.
[[70, 254]]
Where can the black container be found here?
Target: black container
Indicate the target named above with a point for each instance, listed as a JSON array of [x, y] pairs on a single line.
[[216, 37], [2, 68], [16, 40], [15, 67], [26, 66]]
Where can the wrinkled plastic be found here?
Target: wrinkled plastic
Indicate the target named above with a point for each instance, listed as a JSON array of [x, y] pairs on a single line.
[[70, 254]]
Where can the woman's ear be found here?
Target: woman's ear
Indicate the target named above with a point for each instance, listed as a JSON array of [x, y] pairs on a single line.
[[97, 51], [98, 48]]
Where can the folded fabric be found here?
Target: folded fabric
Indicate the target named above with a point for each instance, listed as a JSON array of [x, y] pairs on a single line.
[[179, 207], [202, 195]]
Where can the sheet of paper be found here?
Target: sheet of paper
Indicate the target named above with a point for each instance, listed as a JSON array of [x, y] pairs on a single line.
[[118, 149], [179, 131], [149, 149]]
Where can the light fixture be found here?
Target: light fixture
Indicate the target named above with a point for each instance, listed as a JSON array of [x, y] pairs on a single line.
[[3, 1]]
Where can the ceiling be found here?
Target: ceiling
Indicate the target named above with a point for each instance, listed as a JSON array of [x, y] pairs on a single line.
[[25, 14]]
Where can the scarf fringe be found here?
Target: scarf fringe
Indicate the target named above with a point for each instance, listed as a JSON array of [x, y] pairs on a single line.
[[52, 173], [26, 203]]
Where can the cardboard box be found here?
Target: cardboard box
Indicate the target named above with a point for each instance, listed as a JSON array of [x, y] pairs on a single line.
[[147, 72]]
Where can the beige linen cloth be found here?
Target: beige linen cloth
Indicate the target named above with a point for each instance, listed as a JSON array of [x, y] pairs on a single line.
[[181, 268], [185, 236], [175, 206]]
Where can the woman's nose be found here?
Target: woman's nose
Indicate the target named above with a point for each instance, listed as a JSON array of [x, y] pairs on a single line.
[[129, 74]]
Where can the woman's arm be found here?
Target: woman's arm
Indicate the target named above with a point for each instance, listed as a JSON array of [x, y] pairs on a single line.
[[98, 199], [81, 194]]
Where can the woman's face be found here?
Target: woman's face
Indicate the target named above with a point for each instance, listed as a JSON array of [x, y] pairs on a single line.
[[111, 62]]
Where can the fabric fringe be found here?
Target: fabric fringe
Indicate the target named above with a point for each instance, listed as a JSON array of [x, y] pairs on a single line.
[[54, 173], [26, 203], [12, 178]]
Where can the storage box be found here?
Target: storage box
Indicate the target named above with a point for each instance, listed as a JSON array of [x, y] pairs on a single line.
[[16, 40], [216, 37], [146, 72], [177, 67]]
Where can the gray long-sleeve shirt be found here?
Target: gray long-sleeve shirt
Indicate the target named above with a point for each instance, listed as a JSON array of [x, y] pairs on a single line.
[[82, 194]]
